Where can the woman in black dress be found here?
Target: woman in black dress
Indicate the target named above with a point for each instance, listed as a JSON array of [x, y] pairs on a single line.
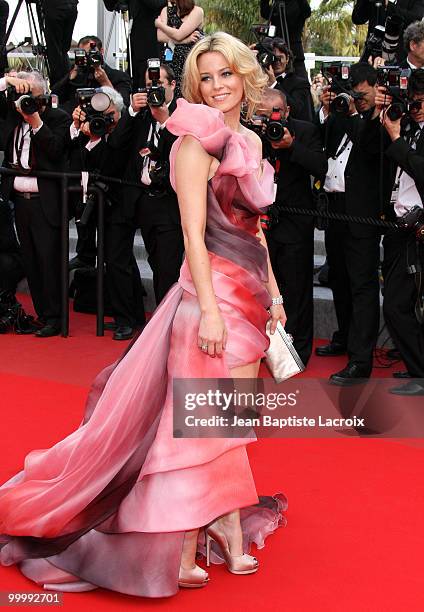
[[180, 25]]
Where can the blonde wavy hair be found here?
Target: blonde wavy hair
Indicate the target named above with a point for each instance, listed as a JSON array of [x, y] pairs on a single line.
[[240, 59]]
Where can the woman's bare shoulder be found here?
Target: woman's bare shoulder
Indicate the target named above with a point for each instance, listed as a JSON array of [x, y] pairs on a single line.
[[254, 139]]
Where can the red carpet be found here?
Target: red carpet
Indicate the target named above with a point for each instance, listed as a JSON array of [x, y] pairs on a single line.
[[354, 538]]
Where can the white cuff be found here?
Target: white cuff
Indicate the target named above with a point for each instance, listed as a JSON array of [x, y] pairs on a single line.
[[3, 84], [322, 116], [74, 131], [35, 130], [132, 112]]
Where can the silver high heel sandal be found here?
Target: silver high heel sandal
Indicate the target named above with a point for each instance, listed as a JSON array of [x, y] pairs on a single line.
[[193, 578], [236, 564]]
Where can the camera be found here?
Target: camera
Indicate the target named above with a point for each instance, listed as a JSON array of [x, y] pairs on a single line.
[[94, 103], [88, 60], [337, 74], [265, 54], [156, 95], [159, 172], [395, 80], [413, 220], [383, 41], [271, 128], [28, 103]]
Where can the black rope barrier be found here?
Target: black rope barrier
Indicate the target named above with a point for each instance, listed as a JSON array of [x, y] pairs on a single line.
[[66, 188]]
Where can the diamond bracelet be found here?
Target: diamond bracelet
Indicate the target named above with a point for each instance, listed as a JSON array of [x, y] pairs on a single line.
[[277, 301]]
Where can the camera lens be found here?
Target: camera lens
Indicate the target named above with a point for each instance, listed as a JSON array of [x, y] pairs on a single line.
[[395, 111], [28, 105], [340, 104], [98, 126]]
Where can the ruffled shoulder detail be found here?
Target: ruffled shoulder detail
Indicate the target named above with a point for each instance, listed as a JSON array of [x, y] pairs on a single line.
[[237, 155]]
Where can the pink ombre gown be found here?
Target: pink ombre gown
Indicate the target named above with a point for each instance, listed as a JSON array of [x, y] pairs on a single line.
[[108, 505]]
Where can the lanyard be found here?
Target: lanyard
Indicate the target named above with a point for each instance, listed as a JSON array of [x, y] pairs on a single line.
[[342, 147], [19, 145]]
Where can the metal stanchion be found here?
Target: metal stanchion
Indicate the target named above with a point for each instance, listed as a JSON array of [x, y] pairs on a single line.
[[100, 259], [64, 275]]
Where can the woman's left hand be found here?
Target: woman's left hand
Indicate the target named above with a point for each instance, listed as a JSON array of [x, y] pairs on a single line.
[[277, 314]]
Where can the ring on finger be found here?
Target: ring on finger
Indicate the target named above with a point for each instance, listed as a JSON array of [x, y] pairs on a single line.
[[204, 347]]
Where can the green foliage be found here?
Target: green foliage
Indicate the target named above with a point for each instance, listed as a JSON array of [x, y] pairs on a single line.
[[329, 31], [331, 26], [232, 16]]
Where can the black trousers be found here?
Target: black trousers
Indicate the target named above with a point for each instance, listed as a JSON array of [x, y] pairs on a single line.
[[293, 267], [353, 277], [40, 247], [400, 294], [158, 220], [59, 24], [122, 274]]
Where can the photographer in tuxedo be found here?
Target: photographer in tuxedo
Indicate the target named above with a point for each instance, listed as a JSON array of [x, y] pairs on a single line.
[[95, 152], [90, 70], [296, 89], [153, 206], [352, 187], [297, 12], [59, 20], [403, 248], [35, 140], [376, 13], [297, 156]]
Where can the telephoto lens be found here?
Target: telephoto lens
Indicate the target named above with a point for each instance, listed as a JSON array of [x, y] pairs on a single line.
[[340, 104]]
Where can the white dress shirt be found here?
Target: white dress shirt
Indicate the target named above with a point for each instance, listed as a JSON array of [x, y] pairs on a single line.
[[23, 184], [407, 195]]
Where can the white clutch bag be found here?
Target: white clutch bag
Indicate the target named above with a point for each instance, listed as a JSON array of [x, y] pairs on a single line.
[[281, 357]]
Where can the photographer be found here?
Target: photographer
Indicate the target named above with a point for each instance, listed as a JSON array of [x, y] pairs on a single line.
[[413, 38], [35, 135], [376, 13], [297, 154], [152, 207], [93, 151], [403, 248], [289, 16], [281, 76], [352, 187], [90, 70]]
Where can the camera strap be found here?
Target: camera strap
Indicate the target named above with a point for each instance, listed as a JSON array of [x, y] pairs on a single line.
[[342, 148], [19, 145]]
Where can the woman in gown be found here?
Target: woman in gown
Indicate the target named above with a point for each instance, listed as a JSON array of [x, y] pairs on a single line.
[[119, 502], [180, 25]]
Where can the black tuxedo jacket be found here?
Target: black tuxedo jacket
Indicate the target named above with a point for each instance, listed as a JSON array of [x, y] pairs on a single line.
[[132, 134], [47, 152], [304, 159], [362, 189], [398, 153], [298, 94], [408, 10]]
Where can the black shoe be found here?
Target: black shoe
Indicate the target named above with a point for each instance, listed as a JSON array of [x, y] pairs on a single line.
[[76, 263], [352, 374], [47, 331], [411, 389], [123, 332], [330, 350], [110, 326], [403, 374]]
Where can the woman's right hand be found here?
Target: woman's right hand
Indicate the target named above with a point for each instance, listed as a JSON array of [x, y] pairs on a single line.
[[212, 338]]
